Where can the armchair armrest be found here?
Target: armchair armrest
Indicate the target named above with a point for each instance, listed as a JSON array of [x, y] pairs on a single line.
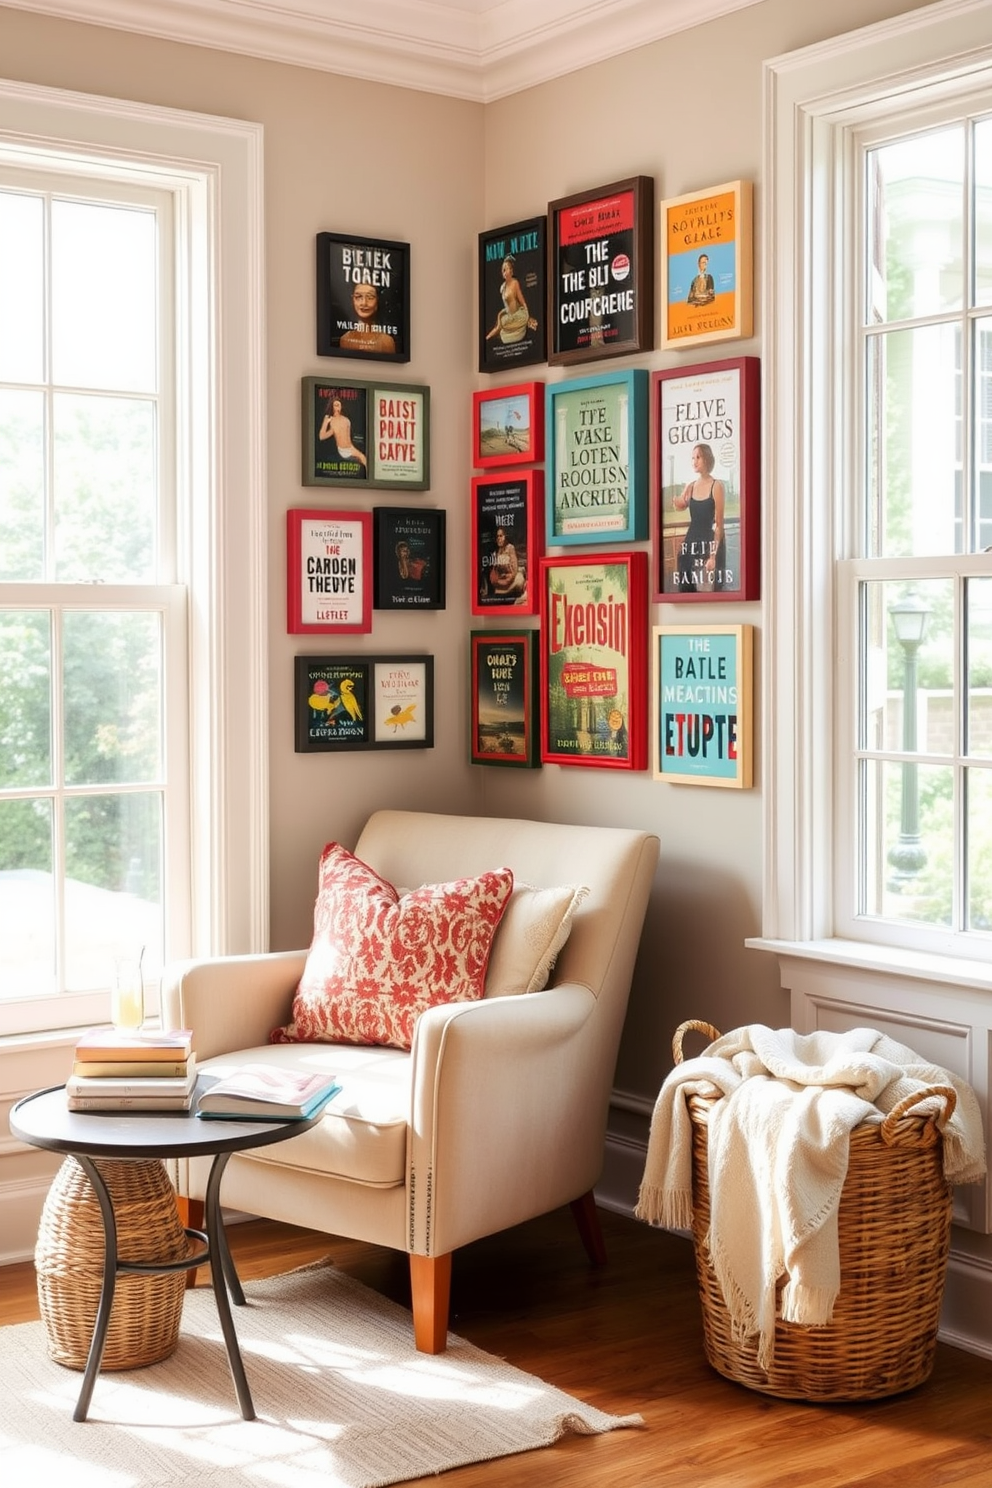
[[231, 1002], [508, 1113]]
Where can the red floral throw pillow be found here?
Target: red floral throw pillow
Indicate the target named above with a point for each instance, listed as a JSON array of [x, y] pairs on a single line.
[[378, 961]]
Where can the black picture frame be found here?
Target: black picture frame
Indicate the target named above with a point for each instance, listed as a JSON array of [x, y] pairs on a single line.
[[413, 579], [504, 344], [344, 262], [504, 680], [346, 703], [601, 272]]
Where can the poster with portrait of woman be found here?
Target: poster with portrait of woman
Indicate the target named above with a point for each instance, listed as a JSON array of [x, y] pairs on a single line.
[[704, 479], [363, 298], [512, 296]]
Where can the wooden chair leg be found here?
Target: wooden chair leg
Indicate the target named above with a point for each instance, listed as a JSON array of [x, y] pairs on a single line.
[[430, 1288], [586, 1218], [191, 1217]]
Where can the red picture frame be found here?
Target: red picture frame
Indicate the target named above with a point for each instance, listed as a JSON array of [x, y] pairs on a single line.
[[594, 680], [508, 425], [504, 575], [329, 571], [713, 408]]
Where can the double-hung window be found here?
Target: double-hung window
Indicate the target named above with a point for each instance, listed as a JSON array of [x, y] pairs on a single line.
[[94, 800], [133, 716], [879, 475]]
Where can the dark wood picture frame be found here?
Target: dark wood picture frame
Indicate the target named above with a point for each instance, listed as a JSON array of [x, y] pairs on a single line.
[[363, 702], [504, 573], [513, 296], [372, 434], [601, 272], [505, 698], [594, 694], [328, 571], [348, 314], [713, 408], [508, 425], [409, 549]]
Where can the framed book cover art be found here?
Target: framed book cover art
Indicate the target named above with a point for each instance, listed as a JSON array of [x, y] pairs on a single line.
[[332, 704], [601, 272], [402, 702], [594, 660], [597, 459], [503, 689], [706, 266], [507, 541], [705, 475], [409, 558], [363, 298], [400, 435], [513, 312], [702, 704], [371, 434], [508, 425], [335, 428], [329, 579]]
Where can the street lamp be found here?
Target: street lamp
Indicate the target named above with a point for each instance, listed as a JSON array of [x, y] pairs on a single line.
[[907, 857]]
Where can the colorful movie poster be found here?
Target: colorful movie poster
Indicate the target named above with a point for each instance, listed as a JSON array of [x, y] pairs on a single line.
[[700, 434], [502, 576], [705, 254], [512, 276], [592, 622], [362, 298], [340, 436], [337, 704], [595, 285], [703, 705], [502, 673]]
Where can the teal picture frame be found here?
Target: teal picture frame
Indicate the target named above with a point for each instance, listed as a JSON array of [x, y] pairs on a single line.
[[596, 431]]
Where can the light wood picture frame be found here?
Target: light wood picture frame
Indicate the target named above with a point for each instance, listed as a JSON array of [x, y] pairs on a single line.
[[702, 704], [707, 266]]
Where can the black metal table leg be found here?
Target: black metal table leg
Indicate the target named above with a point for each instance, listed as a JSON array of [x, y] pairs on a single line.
[[106, 1290], [223, 1275]]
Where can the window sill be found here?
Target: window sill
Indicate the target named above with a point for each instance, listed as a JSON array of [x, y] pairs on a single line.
[[950, 971]]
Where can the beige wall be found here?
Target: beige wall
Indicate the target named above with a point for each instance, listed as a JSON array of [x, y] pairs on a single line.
[[433, 171]]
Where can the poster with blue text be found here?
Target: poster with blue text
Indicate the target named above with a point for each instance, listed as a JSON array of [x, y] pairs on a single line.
[[702, 704]]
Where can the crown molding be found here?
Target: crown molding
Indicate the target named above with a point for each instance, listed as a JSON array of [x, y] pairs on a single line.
[[478, 51]]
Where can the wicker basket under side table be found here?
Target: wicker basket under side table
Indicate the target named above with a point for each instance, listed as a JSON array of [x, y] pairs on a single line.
[[69, 1259], [894, 1230]]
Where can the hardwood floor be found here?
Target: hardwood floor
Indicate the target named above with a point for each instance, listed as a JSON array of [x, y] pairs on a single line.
[[627, 1338]]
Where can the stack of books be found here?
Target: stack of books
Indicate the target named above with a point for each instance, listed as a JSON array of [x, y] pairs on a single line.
[[123, 1070]]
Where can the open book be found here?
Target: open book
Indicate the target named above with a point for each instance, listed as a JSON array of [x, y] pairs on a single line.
[[262, 1092]]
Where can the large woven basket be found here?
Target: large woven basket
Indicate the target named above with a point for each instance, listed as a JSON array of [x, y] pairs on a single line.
[[895, 1224], [145, 1317]]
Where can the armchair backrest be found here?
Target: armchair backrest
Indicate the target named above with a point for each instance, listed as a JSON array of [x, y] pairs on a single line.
[[616, 864]]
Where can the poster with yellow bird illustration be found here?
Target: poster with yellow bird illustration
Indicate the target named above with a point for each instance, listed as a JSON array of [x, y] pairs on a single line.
[[364, 702], [403, 703]]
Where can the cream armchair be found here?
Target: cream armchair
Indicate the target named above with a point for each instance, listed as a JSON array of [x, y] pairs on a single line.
[[497, 1113]]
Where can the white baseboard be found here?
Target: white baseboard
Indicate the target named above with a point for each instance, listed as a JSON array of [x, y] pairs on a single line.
[[966, 1313]]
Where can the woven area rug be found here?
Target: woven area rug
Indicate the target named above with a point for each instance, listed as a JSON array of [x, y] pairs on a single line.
[[342, 1397]]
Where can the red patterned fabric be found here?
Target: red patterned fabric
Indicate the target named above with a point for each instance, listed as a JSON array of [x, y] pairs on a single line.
[[378, 961]]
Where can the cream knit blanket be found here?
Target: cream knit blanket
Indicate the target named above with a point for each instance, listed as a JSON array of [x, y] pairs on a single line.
[[778, 1143]]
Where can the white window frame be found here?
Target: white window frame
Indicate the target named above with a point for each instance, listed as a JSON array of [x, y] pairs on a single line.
[[212, 166], [815, 100]]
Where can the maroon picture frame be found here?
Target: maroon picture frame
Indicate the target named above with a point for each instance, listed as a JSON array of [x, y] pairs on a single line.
[[714, 407]]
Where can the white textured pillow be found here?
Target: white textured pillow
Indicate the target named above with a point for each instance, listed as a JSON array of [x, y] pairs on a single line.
[[535, 925]]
